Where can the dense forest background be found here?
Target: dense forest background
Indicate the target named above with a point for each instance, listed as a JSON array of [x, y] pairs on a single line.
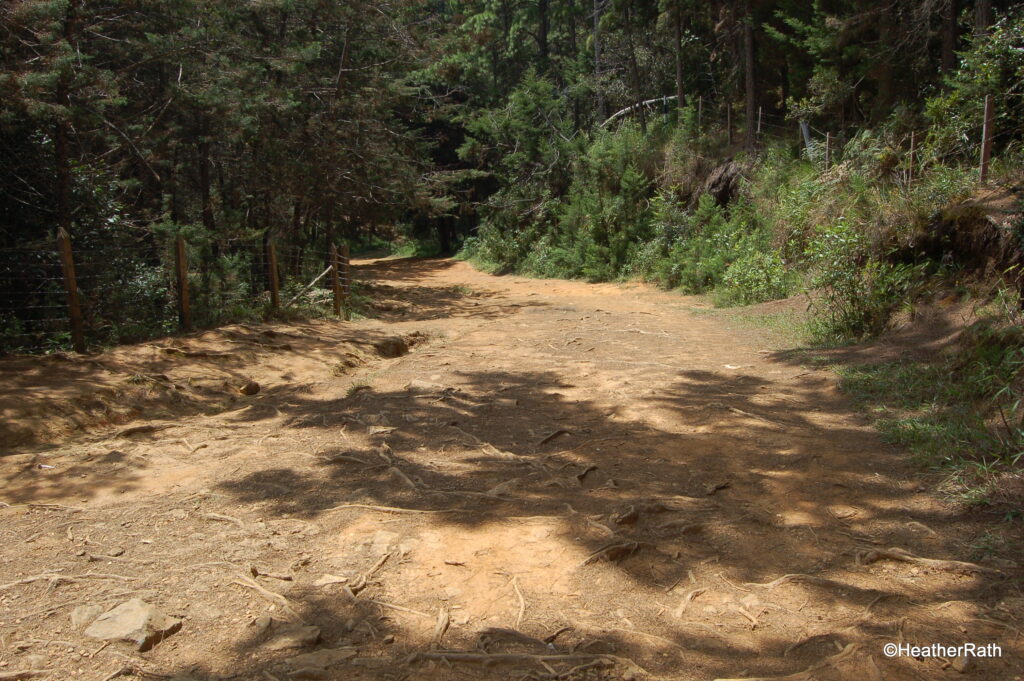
[[752, 148]]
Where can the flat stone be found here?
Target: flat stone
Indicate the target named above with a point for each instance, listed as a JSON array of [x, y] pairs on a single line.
[[134, 621], [295, 636], [83, 615]]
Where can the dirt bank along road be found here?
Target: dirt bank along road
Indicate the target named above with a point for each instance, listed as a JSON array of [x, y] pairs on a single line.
[[499, 478]]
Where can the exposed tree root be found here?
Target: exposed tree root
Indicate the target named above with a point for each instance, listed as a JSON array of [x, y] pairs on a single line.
[[269, 595], [23, 674], [55, 579], [393, 509], [612, 552], [807, 674], [224, 518], [796, 577], [905, 556], [490, 660], [362, 580], [440, 627]]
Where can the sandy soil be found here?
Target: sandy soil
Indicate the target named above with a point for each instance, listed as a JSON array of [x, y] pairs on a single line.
[[557, 481]]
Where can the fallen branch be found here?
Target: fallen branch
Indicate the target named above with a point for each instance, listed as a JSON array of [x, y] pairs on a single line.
[[308, 286], [636, 107]]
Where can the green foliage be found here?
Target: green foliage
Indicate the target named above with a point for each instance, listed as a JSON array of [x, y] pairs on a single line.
[[856, 294], [992, 66], [755, 278], [963, 409]]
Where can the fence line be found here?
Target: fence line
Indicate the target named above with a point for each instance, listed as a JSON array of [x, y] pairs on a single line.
[[55, 296]]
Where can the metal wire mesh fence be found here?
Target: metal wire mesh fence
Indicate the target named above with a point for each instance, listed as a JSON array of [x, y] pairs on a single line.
[[131, 291]]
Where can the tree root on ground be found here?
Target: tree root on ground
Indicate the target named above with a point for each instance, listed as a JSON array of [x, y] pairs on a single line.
[[807, 674], [905, 556], [612, 552]]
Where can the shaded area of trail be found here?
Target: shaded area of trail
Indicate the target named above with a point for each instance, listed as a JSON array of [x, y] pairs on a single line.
[[560, 480]]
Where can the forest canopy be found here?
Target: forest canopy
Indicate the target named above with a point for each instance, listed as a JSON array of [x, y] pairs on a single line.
[[559, 136]]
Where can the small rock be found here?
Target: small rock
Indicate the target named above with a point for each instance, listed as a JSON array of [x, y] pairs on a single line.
[[425, 387], [261, 624], [963, 664], [330, 579], [34, 661], [135, 621], [295, 636], [83, 615], [250, 388]]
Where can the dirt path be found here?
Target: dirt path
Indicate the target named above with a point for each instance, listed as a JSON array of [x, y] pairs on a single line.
[[560, 480]]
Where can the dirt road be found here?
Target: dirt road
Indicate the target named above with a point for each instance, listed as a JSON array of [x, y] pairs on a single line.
[[558, 480]]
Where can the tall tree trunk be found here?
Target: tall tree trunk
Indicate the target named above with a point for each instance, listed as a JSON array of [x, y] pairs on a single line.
[[205, 190], [601, 113], [61, 133], [950, 35], [748, 67], [634, 69], [679, 53], [542, 34], [573, 56], [883, 103], [982, 16]]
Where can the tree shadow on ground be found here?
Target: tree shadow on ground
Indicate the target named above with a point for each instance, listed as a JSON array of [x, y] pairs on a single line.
[[674, 500]]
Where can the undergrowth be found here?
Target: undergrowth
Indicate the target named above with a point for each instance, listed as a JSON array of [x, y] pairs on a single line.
[[961, 411]]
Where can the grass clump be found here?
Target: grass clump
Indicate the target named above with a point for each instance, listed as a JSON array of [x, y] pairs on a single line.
[[962, 412]]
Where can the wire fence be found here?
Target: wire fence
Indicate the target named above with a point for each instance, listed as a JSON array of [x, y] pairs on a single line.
[[911, 151], [128, 291]]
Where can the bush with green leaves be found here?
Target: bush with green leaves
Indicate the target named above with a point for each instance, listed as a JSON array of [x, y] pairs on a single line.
[[992, 66], [855, 294], [756, 277]]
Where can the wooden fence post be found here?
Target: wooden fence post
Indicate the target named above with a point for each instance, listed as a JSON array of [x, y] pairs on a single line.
[[335, 280], [67, 264], [700, 112], [986, 138], [346, 283], [759, 122], [913, 160], [728, 123], [828, 150], [181, 270], [275, 283]]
